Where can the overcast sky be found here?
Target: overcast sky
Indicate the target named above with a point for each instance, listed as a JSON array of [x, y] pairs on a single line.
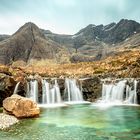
[[65, 16]]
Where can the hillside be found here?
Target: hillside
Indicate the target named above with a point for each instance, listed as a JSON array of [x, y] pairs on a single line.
[[125, 63]]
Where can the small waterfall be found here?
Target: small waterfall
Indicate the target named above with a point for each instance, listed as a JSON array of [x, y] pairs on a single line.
[[72, 91], [119, 93], [131, 94], [57, 90], [45, 92], [32, 90], [16, 88], [50, 95]]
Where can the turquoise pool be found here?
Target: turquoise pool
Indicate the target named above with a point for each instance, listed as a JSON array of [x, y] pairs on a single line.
[[79, 122]]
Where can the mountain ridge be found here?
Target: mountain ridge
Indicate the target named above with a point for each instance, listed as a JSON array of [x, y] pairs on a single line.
[[89, 44]]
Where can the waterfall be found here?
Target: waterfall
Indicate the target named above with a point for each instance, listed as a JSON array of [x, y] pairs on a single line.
[[45, 92], [16, 88], [57, 90], [50, 93], [72, 91], [32, 90], [131, 94], [119, 92]]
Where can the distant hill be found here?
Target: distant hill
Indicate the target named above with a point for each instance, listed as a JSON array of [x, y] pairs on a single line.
[[3, 37]]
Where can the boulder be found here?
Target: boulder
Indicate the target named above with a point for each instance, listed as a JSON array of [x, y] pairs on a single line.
[[20, 106]]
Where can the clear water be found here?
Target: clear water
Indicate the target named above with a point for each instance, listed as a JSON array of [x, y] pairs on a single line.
[[79, 122]]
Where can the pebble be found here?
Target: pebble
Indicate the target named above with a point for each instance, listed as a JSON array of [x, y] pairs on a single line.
[[7, 120]]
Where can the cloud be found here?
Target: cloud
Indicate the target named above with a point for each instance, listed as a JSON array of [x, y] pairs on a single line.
[[65, 16], [14, 22]]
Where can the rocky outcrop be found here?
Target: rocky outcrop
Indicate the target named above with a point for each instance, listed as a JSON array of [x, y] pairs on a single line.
[[138, 91], [20, 107], [7, 85], [9, 77], [91, 88]]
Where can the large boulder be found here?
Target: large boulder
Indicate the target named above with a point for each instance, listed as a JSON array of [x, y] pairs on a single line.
[[21, 107]]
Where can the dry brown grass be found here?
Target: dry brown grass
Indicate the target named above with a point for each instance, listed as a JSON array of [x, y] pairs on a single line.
[[126, 64], [121, 64]]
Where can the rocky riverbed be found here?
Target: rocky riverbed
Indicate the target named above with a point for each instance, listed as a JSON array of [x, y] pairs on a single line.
[[7, 120]]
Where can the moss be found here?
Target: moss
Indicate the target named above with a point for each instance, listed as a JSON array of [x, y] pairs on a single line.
[[100, 70]]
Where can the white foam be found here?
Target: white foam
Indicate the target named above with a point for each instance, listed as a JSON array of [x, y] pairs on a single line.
[[52, 105]]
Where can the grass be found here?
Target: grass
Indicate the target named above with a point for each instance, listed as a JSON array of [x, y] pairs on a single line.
[[126, 64]]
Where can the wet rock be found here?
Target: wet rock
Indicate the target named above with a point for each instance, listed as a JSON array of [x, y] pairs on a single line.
[[7, 85], [21, 107], [18, 74], [138, 91], [91, 88]]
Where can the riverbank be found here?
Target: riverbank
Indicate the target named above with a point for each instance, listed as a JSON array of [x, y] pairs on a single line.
[[7, 120]]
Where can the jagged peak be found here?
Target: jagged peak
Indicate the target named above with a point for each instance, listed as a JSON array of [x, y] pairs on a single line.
[[30, 24], [126, 21], [30, 27], [89, 27], [109, 26]]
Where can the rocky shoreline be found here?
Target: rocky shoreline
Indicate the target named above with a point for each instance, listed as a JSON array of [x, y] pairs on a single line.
[[7, 120], [18, 106]]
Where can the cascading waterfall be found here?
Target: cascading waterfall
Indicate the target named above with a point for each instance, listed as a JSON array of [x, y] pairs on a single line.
[[131, 94], [57, 91], [50, 95], [16, 88], [72, 91], [45, 92], [119, 92], [32, 90]]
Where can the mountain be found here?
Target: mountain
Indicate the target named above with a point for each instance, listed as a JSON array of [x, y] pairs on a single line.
[[112, 33], [28, 43], [3, 37], [94, 42], [97, 42]]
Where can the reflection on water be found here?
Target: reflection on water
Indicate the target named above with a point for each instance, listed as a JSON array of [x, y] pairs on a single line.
[[79, 122]]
